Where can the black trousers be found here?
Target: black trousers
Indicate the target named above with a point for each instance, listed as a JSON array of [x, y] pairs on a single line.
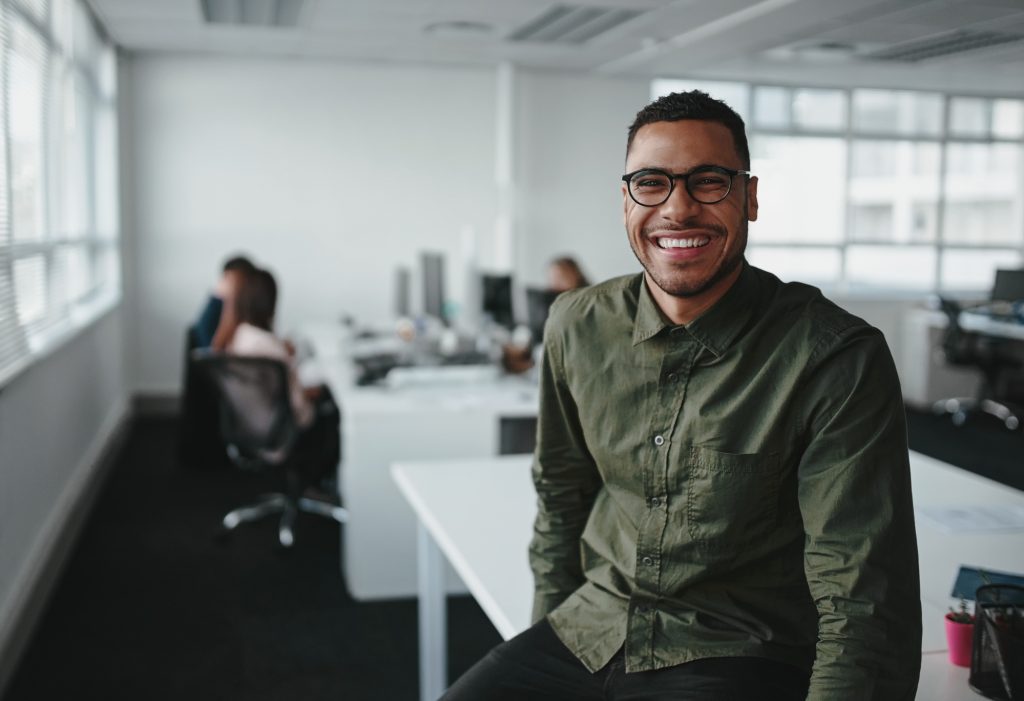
[[536, 666]]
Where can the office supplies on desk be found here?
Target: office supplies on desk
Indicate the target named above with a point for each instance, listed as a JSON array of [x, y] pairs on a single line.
[[970, 579], [441, 375]]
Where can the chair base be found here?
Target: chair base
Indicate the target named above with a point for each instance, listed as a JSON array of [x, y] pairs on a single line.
[[288, 507], [960, 407]]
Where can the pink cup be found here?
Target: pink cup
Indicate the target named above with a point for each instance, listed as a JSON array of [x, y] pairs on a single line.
[[960, 637]]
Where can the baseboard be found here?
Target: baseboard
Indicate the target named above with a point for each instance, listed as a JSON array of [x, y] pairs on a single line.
[[34, 582], [156, 405]]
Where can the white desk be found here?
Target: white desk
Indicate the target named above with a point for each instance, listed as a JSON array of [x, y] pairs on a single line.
[[381, 425], [979, 322], [479, 515]]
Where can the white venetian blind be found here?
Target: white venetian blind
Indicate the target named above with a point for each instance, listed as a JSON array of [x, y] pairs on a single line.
[[59, 265]]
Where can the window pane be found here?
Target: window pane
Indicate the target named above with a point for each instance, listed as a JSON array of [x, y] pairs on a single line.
[[894, 267], [897, 112], [72, 274], [736, 95], [105, 164], [968, 116], [801, 188], [70, 159], [771, 107], [26, 133], [30, 288], [1008, 119], [984, 198], [819, 109], [894, 191], [971, 269], [816, 266]]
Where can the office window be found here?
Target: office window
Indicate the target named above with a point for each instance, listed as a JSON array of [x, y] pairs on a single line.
[[882, 190], [59, 230]]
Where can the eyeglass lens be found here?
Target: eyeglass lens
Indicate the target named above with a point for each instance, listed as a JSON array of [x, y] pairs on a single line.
[[651, 188]]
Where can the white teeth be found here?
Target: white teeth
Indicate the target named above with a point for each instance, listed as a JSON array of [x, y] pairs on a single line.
[[684, 243]]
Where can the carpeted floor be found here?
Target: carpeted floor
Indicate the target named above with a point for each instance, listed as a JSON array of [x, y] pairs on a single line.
[[152, 606]]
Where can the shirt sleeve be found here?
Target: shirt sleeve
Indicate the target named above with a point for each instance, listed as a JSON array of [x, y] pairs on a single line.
[[860, 552], [206, 325], [567, 482]]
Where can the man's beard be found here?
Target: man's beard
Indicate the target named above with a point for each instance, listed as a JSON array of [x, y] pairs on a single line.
[[691, 288]]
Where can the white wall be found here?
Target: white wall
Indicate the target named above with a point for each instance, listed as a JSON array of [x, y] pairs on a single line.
[[55, 418], [330, 174], [571, 151]]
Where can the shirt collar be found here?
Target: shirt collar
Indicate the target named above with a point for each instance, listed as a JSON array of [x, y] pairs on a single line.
[[716, 328]]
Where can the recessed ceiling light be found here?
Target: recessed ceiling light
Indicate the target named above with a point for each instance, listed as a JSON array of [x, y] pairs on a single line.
[[459, 28]]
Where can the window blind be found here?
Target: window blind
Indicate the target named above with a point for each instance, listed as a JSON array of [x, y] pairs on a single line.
[[59, 230]]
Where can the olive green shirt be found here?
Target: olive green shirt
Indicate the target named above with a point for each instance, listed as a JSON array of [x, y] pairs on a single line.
[[739, 486]]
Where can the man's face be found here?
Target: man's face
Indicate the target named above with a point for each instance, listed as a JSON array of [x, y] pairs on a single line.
[[687, 247]]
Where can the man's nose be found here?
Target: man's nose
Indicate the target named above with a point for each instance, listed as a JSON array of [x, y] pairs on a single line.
[[680, 204]]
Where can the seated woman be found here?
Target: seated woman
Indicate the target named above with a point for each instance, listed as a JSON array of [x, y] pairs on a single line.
[[316, 413]]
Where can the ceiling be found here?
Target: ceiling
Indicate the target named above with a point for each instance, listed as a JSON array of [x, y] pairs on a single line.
[[971, 46]]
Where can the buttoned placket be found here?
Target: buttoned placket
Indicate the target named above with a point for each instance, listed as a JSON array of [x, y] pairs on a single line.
[[679, 351]]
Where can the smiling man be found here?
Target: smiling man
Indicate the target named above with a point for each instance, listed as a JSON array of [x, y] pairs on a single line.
[[724, 505]]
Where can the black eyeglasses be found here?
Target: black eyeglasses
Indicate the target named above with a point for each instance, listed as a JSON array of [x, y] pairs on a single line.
[[706, 184]]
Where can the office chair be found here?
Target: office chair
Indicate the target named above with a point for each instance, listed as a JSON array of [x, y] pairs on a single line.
[[966, 349], [260, 430], [199, 441]]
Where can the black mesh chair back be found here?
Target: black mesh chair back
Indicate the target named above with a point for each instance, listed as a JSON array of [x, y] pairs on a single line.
[[259, 426], [256, 416], [958, 346]]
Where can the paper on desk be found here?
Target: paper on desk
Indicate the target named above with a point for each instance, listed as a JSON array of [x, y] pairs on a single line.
[[974, 518]]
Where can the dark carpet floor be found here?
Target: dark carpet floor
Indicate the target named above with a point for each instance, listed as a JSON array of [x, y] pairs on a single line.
[[151, 606]]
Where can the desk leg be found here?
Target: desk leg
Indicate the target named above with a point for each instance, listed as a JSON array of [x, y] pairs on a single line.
[[432, 618]]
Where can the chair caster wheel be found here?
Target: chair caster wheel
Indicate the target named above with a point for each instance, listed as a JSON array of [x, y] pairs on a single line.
[[1012, 423], [960, 418]]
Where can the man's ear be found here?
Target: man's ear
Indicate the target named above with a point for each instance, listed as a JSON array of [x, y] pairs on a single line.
[[752, 198]]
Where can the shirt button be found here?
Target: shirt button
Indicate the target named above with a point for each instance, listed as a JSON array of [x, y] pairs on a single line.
[[655, 502], [672, 377], [648, 560], [659, 440]]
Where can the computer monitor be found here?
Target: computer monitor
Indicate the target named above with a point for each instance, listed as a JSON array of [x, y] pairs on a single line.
[[496, 293], [1009, 285], [432, 268], [402, 292], [538, 304]]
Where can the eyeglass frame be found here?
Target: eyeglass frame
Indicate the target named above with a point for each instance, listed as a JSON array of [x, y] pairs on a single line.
[[685, 177]]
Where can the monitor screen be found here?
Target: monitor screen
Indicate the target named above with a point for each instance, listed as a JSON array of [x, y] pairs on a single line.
[[538, 303], [1009, 285], [402, 293], [432, 267], [496, 291]]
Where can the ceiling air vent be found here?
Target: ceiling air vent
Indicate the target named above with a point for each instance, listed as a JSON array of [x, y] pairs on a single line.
[[942, 45], [252, 13], [572, 24]]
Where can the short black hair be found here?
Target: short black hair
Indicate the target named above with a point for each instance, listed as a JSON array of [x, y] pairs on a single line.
[[256, 299], [239, 263], [696, 105]]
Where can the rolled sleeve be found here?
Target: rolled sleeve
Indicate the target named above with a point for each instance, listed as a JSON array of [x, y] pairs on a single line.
[[860, 554]]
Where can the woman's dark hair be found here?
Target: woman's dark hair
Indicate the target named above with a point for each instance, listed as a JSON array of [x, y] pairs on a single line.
[[569, 264], [697, 105], [238, 263], [256, 299]]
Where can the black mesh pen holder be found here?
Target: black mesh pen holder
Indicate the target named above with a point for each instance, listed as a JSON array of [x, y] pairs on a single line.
[[997, 656]]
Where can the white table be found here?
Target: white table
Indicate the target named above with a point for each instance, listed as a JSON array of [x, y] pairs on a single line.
[[380, 425], [454, 500], [980, 322]]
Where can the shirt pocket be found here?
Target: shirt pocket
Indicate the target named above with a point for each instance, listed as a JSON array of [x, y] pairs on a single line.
[[731, 499]]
